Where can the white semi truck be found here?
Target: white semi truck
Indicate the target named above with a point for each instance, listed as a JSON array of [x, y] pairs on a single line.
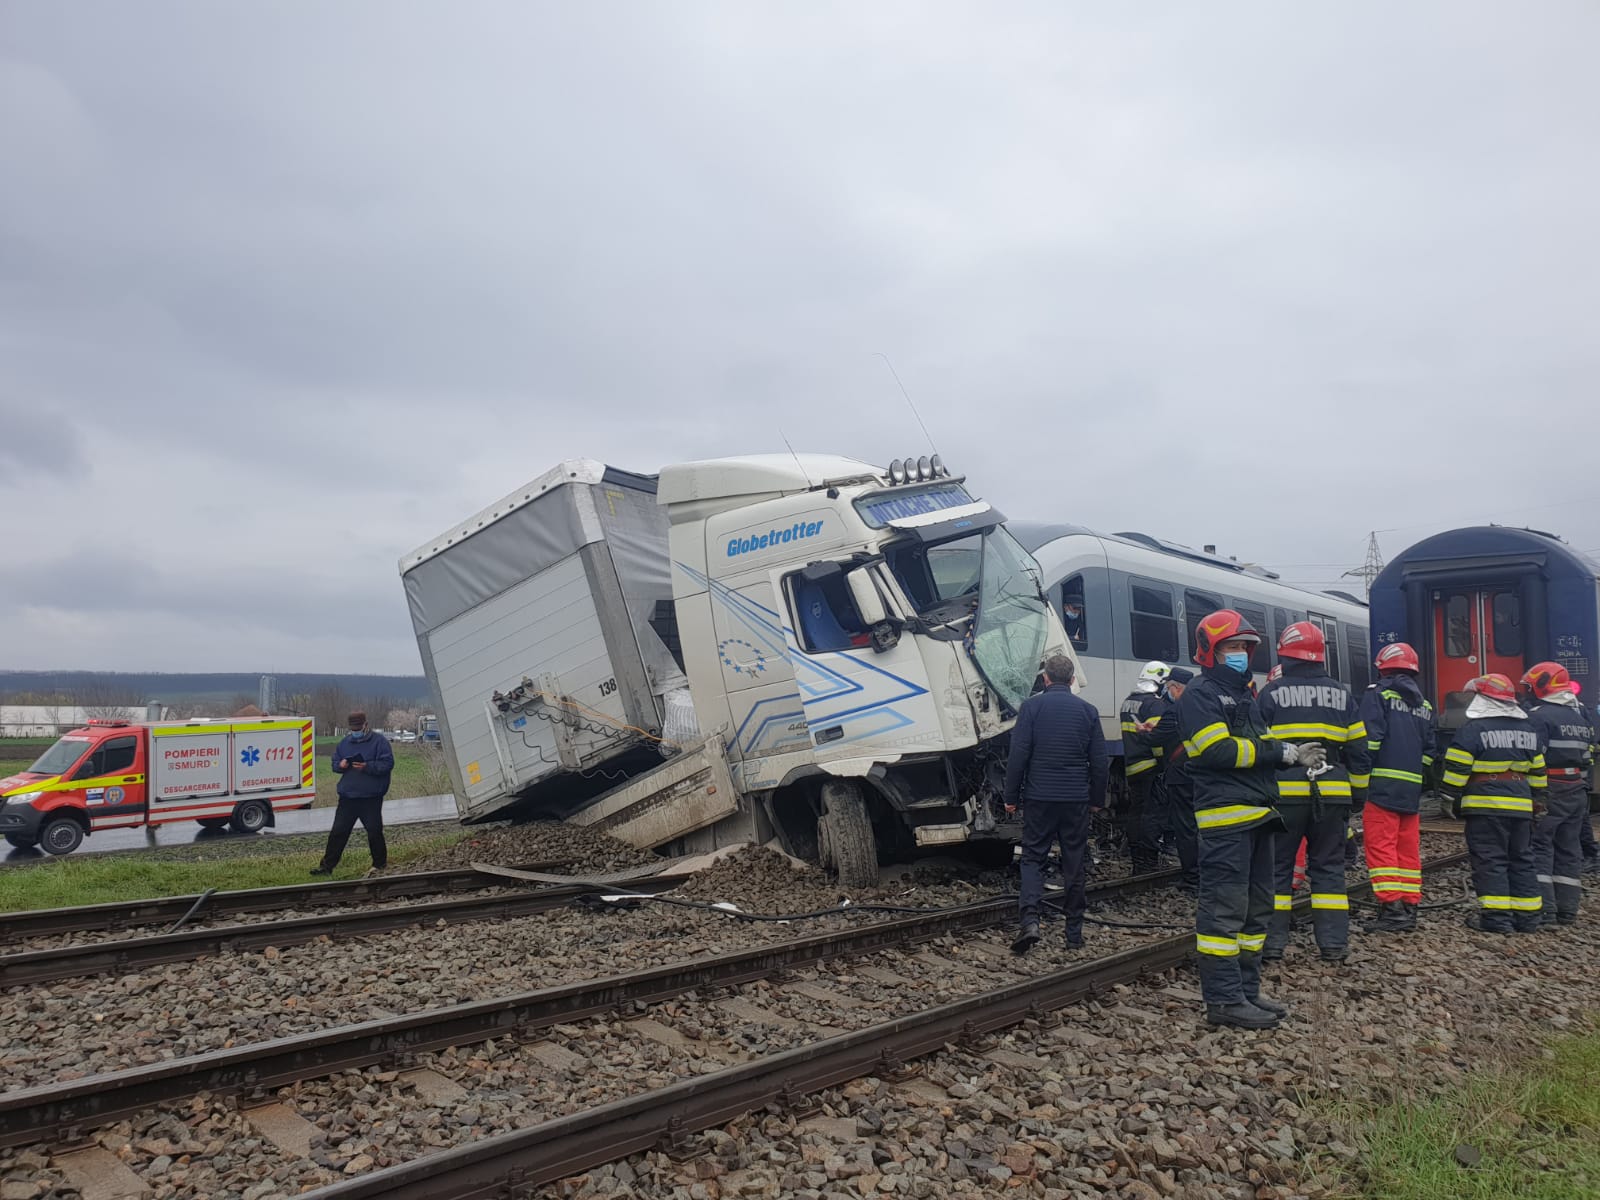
[[800, 646]]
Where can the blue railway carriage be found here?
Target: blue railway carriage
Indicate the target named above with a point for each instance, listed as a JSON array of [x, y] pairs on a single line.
[[1490, 599], [1128, 598]]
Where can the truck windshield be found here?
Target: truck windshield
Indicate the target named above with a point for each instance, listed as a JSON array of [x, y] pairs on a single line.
[[990, 573], [1013, 622], [59, 758]]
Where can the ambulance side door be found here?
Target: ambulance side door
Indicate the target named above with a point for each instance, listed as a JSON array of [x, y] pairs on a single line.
[[113, 782]]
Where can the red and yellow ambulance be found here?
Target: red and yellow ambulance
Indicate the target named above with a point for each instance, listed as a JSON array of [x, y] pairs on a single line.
[[119, 774]]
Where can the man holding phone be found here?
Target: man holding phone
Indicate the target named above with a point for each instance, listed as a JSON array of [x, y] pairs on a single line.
[[364, 762]]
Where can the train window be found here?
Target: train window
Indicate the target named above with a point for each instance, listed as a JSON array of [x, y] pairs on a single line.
[[1196, 607], [1330, 638], [1507, 624], [1155, 624], [1281, 620], [1073, 617], [1256, 618], [1458, 626], [1355, 645]]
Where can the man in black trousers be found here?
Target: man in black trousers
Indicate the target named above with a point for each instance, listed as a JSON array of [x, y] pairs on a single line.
[[364, 763], [1057, 773]]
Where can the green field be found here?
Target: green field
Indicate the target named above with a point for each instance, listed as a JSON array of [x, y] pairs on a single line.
[[1528, 1129], [418, 770]]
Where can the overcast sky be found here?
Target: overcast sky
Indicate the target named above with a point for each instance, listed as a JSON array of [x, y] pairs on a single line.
[[287, 289]]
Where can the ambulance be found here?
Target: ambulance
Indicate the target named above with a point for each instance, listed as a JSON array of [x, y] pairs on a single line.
[[122, 774]]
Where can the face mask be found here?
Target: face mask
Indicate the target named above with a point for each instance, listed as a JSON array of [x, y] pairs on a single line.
[[358, 734], [1237, 662]]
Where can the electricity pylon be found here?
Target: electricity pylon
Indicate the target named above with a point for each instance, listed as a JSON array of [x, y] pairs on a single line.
[[1372, 568]]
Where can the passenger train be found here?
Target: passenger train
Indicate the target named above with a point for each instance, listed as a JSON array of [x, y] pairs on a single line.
[[1490, 599], [1128, 598]]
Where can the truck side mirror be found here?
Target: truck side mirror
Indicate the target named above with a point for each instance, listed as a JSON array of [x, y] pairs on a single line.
[[869, 605]]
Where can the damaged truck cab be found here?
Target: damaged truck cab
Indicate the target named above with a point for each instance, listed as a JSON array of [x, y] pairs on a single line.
[[864, 639]]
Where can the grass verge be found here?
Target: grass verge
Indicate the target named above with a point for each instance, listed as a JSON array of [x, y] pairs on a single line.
[[1529, 1130], [100, 878]]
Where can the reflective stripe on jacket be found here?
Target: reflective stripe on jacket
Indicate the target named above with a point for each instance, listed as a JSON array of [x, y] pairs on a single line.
[[1306, 706], [1399, 722], [1232, 757], [1496, 764]]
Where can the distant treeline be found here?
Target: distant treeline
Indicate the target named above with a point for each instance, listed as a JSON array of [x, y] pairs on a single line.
[[90, 687]]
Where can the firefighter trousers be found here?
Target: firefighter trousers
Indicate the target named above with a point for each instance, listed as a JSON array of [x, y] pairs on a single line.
[[1330, 905], [1503, 872], [1557, 848], [1141, 822], [1394, 854], [1232, 911]]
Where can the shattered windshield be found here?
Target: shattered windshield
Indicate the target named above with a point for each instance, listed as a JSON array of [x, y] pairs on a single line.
[[1013, 623], [60, 757]]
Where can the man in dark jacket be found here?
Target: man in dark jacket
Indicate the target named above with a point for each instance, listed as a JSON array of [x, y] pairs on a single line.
[[1057, 773], [364, 762], [1233, 762]]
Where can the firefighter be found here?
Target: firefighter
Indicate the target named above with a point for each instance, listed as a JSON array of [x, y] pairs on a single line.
[[1141, 764], [1569, 735], [1308, 707], [1233, 762], [1400, 730], [1493, 772], [1174, 789]]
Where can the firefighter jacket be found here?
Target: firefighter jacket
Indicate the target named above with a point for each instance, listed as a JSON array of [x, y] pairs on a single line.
[[1167, 741], [1496, 763], [1233, 759], [1307, 706], [1400, 727], [1570, 736], [1140, 754]]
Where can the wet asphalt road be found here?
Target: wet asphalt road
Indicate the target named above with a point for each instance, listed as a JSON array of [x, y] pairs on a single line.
[[308, 820]]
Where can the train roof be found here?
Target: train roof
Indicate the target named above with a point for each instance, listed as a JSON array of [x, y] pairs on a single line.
[[1034, 535], [1459, 547]]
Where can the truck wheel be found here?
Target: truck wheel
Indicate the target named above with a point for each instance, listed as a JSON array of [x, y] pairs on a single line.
[[61, 836], [249, 817], [844, 832], [21, 842], [212, 822]]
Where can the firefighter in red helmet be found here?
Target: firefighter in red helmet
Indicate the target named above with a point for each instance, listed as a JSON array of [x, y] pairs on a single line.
[[1495, 773], [1569, 739], [1308, 707], [1233, 763], [1400, 730]]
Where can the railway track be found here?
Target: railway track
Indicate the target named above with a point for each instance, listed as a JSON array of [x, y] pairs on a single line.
[[130, 914], [516, 1162], [69, 1109]]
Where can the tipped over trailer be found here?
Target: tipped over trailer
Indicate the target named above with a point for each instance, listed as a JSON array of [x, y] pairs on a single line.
[[822, 651]]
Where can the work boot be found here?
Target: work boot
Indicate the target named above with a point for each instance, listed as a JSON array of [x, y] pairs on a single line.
[[1333, 954], [1566, 918], [1243, 1015], [1272, 953], [1392, 919], [1027, 939], [1408, 913], [1591, 865], [1271, 1006], [1074, 937], [322, 870], [1474, 920]]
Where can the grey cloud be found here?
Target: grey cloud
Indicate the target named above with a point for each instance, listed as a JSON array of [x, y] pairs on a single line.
[[35, 441]]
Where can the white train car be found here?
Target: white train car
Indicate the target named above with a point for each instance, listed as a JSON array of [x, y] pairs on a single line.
[[1128, 598]]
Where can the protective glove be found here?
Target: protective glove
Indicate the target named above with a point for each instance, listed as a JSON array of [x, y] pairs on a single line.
[[1454, 799], [1291, 753], [1539, 806]]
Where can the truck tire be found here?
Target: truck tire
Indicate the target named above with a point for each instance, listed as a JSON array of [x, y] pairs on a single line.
[[250, 816], [844, 833], [212, 822], [61, 836], [21, 842]]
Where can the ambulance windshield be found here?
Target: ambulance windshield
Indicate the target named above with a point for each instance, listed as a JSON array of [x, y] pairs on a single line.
[[59, 758]]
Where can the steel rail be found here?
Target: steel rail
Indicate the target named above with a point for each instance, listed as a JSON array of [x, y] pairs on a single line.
[[126, 914], [127, 954], [513, 1164], [32, 1114]]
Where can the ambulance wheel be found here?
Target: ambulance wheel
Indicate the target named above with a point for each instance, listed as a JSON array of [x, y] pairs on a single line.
[[845, 837], [250, 817], [21, 842], [212, 822], [61, 836]]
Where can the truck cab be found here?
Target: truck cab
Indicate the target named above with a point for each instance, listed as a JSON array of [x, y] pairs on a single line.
[[120, 774], [865, 637]]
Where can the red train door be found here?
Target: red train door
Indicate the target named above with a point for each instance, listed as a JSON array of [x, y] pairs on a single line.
[[1475, 632]]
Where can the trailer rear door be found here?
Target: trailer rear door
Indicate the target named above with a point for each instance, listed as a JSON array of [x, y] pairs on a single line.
[[1476, 631]]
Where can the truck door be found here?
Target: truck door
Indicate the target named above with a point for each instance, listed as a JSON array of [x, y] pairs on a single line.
[[1476, 631], [113, 782]]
